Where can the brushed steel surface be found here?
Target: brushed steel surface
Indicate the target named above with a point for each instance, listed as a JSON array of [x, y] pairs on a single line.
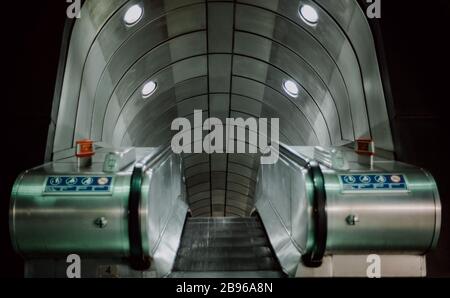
[[57, 225], [228, 58], [360, 222], [387, 223], [61, 225], [408, 222], [284, 199]]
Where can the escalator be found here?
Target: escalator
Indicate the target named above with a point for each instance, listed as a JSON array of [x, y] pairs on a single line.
[[225, 247], [132, 69], [321, 212]]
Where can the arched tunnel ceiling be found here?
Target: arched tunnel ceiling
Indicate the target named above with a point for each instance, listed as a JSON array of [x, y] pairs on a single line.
[[229, 59]]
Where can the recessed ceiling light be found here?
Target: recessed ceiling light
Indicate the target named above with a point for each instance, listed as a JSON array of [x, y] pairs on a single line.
[[149, 88], [133, 15], [291, 88], [309, 15]]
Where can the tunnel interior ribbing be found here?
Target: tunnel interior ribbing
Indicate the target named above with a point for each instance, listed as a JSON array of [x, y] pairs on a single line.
[[229, 59]]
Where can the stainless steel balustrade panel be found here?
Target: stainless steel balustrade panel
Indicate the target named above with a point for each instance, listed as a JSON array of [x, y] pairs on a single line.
[[284, 200], [166, 208]]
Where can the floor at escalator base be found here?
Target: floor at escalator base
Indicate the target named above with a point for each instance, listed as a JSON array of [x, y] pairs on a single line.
[[225, 248], [229, 274]]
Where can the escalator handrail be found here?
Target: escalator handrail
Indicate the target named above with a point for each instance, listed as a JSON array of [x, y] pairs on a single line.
[[314, 258]]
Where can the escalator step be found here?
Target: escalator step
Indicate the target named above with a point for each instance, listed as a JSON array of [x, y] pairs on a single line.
[[226, 247], [226, 264], [214, 252], [224, 234], [233, 226], [229, 242], [224, 220]]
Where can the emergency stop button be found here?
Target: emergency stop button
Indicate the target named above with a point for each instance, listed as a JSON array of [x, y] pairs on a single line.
[[85, 149], [365, 147]]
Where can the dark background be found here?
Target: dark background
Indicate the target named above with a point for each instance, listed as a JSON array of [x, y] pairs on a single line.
[[416, 49]]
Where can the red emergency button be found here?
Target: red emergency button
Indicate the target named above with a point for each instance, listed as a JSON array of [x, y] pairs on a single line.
[[365, 147], [85, 148]]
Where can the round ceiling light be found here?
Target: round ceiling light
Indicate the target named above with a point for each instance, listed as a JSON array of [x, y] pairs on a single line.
[[309, 15], [149, 88], [291, 88], [133, 15]]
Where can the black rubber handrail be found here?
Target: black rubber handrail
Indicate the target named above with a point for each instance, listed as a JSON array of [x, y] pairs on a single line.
[[315, 257]]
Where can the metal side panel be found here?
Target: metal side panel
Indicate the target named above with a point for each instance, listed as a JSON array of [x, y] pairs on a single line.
[[164, 195], [283, 200]]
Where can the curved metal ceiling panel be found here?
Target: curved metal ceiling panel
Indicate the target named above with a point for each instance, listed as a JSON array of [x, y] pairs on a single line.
[[228, 59]]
